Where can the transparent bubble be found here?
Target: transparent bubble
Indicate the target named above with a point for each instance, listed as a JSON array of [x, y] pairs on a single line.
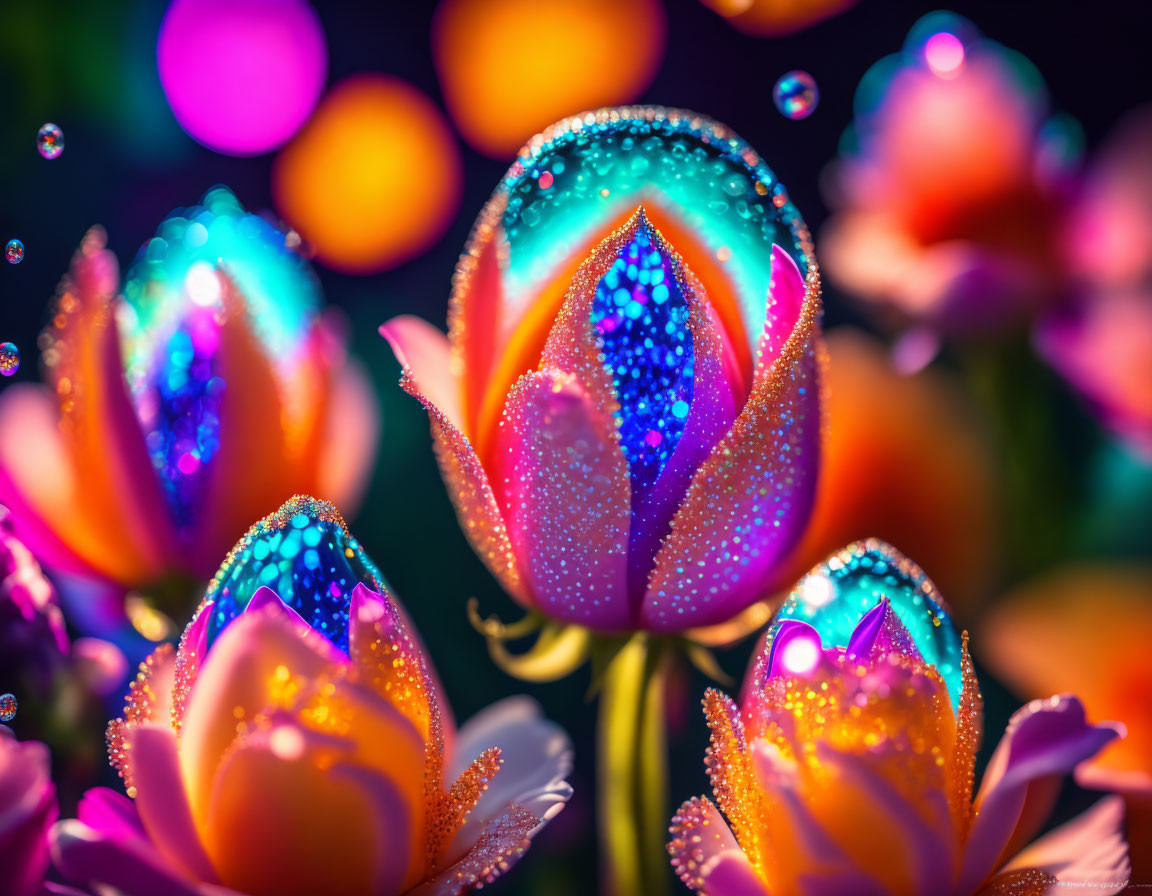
[[14, 251], [7, 707], [50, 141], [796, 94], [9, 358]]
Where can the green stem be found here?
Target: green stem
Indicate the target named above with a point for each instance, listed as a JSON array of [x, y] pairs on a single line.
[[632, 771]]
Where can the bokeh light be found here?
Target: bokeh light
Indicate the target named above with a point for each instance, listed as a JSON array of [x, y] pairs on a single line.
[[509, 68], [242, 76], [375, 177], [944, 53], [796, 95]]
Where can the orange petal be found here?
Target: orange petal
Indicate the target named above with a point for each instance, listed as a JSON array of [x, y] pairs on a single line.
[[289, 814], [351, 433], [256, 663]]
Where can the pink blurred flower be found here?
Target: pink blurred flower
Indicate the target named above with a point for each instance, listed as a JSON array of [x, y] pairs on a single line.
[[178, 412], [1103, 344], [949, 201], [264, 759], [626, 409], [27, 813], [847, 769]]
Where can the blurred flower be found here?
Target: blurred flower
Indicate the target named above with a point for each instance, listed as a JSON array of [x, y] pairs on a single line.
[[241, 76], [296, 742], [28, 798], [32, 637], [209, 391], [1103, 343], [850, 768], [509, 68], [950, 184], [626, 408], [374, 178], [1089, 627], [770, 18], [891, 440]]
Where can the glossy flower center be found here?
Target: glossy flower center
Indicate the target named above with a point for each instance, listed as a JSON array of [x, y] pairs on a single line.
[[641, 318]]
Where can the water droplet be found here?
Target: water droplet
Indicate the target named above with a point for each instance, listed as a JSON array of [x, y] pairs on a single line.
[[7, 707], [9, 358], [796, 94], [50, 141], [14, 251]]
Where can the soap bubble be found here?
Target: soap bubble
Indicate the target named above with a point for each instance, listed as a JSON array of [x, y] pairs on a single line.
[[7, 707], [50, 141], [9, 358], [14, 251], [796, 94]]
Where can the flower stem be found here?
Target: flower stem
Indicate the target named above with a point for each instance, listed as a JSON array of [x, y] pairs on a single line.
[[633, 770]]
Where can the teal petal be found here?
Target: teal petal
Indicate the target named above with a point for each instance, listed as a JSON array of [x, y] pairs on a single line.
[[305, 553], [835, 596]]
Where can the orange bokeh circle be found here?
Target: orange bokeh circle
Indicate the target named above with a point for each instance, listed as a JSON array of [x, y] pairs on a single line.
[[373, 179], [510, 68]]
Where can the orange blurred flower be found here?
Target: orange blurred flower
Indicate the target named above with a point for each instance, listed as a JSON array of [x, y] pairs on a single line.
[[373, 179], [509, 68], [892, 439]]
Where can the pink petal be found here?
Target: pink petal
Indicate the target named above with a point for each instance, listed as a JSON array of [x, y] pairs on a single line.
[[731, 874], [162, 801], [1090, 850], [470, 490], [1044, 741], [426, 357], [750, 500], [132, 867], [565, 494], [699, 835], [111, 814]]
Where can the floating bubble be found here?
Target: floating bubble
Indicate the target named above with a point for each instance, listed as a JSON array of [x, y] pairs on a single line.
[[7, 707], [9, 358], [50, 141], [796, 94], [14, 251]]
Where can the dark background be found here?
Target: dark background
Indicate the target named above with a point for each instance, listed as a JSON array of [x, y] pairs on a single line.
[[89, 67]]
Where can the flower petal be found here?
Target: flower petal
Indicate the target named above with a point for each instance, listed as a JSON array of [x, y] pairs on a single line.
[[1044, 741], [470, 491], [731, 874], [132, 867], [565, 494], [162, 801], [424, 354], [240, 678], [749, 501], [699, 835], [504, 841], [1090, 850], [536, 759]]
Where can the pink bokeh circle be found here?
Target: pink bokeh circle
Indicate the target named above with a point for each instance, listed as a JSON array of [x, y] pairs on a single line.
[[241, 76]]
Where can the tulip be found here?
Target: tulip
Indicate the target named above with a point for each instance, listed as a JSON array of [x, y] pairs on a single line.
[[28, 797], [948, 203], [298, 742], [1087, 627], [626, 407], [848, 766], [178, 412]]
